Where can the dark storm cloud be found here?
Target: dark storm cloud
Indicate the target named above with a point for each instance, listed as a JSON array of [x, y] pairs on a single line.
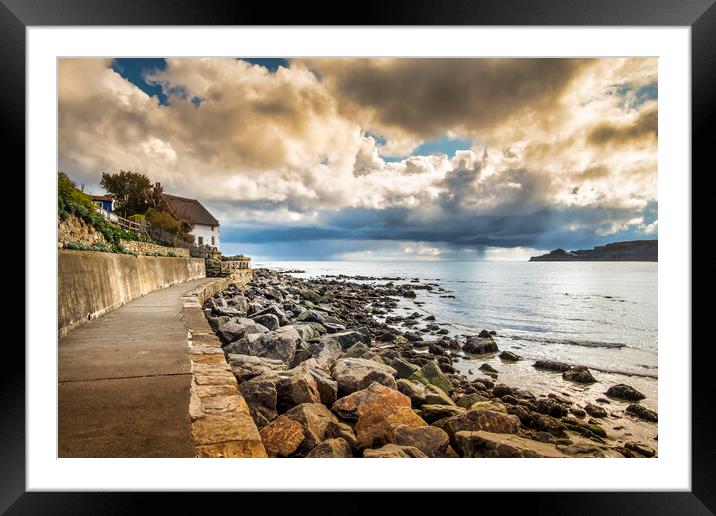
[[426, 97], [645, 127], [543, 228]]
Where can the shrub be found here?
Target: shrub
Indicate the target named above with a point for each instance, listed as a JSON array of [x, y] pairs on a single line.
[[70, 201], [96, 246], [163, 220]]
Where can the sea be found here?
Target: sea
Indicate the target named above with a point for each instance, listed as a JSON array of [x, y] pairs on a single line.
[[602, 315]]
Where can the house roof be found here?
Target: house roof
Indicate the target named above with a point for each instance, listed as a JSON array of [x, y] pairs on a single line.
[[189, 210], [101, 197]]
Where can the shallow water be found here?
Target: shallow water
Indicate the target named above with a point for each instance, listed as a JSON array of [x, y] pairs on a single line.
[[599, 314]]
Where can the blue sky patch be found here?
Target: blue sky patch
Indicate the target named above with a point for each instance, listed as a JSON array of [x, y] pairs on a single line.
[[134, 69], [270, 63], [442, 145], [633, 97]]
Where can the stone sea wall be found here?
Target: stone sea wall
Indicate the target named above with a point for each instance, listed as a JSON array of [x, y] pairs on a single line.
[[221, 423], [93, 283], [147, 248]]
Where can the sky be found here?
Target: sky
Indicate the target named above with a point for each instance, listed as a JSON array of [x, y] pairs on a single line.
[[371, 159]]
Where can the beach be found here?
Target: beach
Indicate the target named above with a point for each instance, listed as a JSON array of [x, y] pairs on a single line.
[[546, 322]]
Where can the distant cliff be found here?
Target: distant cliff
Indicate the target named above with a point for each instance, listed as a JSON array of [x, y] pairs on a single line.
[[633, 251]]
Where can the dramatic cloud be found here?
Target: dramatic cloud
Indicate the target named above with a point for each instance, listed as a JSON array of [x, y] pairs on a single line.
[[642, 129], [424, 98], [557, 152]]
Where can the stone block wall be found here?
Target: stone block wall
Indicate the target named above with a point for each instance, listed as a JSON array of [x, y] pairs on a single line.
[[221, 424], [74, 229], [148, 248]]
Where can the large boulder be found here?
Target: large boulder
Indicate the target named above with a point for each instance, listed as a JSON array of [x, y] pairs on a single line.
[[431, 373], [216, 321], [282, 437], [436, 396], [393, 451], [246, 367], [349, 337], [509, 356], [552, 365], [326, 351], [353, 374], [496, 445], [537, 421], [351, 406], [551, 407], [489, 405], [333, 448], [642, 412], [327, 386], [317, 316], [477, 419], [270, 321], [240, 303], [501, 389], [595, 410], [237, 328], [414, 390], [430, 440], [432, 413], [480, 344], [357, 350], [261, 397], [379, 410], [290, 331], [318, 423], [376, 425], [269, 345], [468, 400], [295, 387], [309, 331], [624, 392], [579, 374], [334, 327], [404, 368], [272, 309]]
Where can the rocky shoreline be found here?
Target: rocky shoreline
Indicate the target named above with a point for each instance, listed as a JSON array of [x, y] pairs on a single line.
[[329, 369]]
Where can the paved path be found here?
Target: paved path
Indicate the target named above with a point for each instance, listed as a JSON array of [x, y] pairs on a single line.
[[124, 381]]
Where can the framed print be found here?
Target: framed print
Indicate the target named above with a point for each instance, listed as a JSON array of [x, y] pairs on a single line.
[[427, 234]]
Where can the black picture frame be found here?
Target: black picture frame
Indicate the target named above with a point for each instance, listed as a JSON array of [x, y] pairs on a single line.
[[700, 15]]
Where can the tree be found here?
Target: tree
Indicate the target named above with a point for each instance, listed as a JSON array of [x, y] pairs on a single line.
[[128, 189], [155, 197]]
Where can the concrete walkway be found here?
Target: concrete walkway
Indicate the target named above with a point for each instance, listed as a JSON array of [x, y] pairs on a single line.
[[125, 379]]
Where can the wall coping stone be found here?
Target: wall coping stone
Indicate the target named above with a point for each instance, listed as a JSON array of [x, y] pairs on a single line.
[[221, 424]]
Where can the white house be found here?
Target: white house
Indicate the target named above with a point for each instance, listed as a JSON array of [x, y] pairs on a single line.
[[205, 227]]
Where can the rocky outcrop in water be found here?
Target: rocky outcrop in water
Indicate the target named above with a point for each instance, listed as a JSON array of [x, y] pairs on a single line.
[[328, 369]]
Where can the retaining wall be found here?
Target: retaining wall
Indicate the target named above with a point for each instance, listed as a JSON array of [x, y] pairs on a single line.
[[74, 229], [92, 283], [150, 248]]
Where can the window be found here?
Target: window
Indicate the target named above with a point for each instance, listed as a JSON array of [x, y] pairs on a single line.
[[201, 240], [213, 241]]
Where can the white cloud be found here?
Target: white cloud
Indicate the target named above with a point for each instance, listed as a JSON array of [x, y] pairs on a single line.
[[288, 147]]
